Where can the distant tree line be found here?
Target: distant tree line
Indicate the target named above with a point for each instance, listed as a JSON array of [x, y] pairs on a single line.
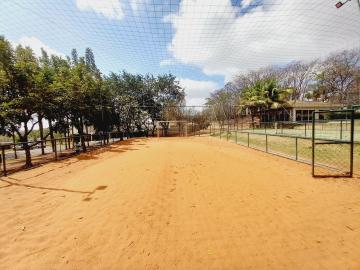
[[71, 93], [335, 79]]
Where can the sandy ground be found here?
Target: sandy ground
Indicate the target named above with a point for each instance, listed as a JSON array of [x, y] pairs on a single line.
[[192, 203]]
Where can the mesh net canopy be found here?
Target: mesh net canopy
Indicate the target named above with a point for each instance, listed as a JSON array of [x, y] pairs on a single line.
[[189, 38]]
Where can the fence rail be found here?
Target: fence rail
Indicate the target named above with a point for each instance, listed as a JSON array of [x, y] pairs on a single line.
[[21, 155], [293, 147], [298, 148]]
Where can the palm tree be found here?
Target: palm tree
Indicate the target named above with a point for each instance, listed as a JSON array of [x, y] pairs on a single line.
[[265, 94]]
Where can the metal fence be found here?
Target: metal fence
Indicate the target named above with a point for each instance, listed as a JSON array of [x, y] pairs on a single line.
[[13, 156], [333, 155], [331, 129], [326, 144], [292, 147]]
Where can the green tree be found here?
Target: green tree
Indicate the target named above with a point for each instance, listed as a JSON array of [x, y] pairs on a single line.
[[19, 96], [265, 94]]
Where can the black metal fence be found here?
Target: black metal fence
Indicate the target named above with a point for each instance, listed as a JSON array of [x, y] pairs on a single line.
[[292, 147], [327, 144], [333, 156]]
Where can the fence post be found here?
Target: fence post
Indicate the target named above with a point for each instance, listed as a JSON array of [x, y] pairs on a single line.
[[248, 139], [341, 128], [313, 145], [266, 142], [236, 136], [3, 160], [296, 148], [352, 143]]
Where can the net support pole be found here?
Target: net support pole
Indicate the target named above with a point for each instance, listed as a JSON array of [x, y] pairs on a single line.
[[313, 144], [341, 129], [266, 143], [352, 143]]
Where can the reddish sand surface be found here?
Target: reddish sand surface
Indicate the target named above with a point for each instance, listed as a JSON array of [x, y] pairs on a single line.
[[178, 203]]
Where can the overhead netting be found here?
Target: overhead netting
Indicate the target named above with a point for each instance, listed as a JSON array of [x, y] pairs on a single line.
[[216, 37]]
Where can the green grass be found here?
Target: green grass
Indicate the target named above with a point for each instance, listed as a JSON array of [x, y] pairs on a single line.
[[332, 155]]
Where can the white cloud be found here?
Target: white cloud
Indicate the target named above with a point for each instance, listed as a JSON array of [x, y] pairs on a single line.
[[245, 3], [36, 44], [112, 9], [167, 62], [221, 40], [138, 5], [197, 91]]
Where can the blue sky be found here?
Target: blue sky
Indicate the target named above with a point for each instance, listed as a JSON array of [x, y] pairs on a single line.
[[205, 43]]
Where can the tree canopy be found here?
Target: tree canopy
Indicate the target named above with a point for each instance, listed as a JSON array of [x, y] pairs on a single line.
[[335, 79], [73, 93]]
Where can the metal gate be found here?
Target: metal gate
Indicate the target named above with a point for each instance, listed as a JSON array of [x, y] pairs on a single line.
[[332, 143]]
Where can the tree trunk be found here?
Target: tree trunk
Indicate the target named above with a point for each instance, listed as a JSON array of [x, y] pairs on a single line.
[[120, 133], [68, 132], [51, 132], [28, 162], [65, 140], [26, 147], [87, 132], [14, 142], [81, 133], [41, 129]]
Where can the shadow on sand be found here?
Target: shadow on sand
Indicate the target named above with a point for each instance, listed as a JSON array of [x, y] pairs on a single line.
[[87, 193], [118, 147], [68, 159]]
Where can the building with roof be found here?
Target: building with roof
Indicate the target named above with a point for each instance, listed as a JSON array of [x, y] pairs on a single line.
[[300, 111]]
